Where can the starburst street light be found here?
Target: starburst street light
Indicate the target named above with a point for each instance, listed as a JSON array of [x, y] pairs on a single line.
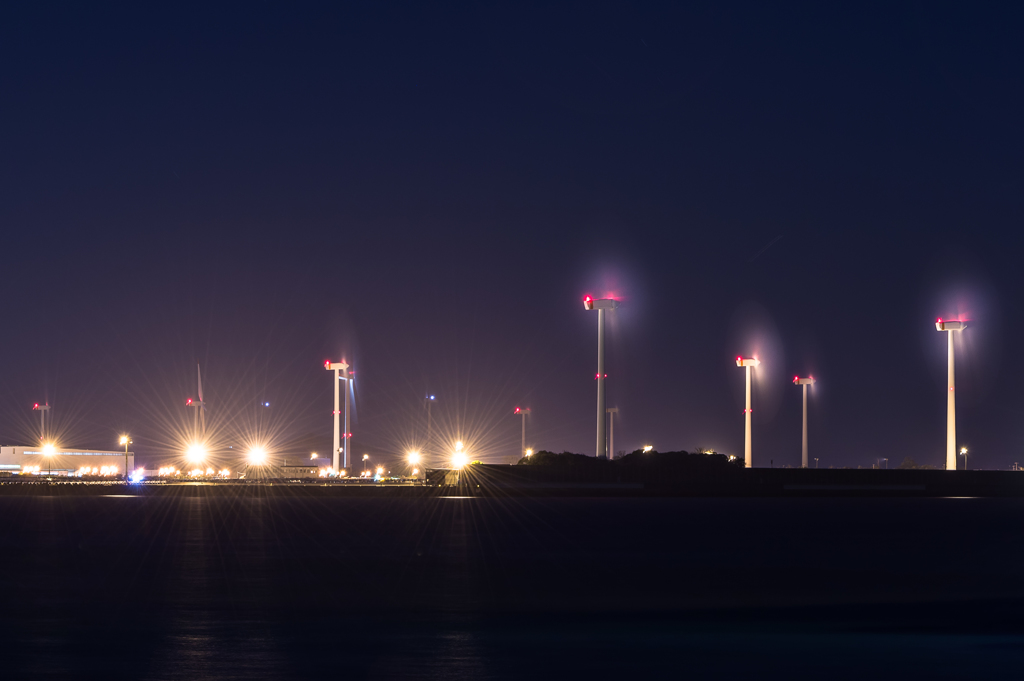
[[48, 451], [600, 305], [963, 453], [257, 456], [196, 453], [459, 458], [746, 363], [950, 328], [803, 448]]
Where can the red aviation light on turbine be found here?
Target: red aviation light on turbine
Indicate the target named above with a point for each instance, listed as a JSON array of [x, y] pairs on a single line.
[[752, 362], [188, 402], [588, 303]]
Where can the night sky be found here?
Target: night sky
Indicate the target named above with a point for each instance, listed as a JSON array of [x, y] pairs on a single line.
[[429, 191]]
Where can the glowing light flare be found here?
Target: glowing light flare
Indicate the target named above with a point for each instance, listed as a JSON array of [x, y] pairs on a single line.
[[459, 459], [49, 449], [257, 456], [413, 457], [195, 453], [648, 448], [529, 452], [380, 471]]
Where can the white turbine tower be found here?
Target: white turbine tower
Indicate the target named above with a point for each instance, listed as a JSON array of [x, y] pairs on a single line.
[[803, 449], [612, 411], [600, 305], [341, 371], [950, 328], [747, 363]]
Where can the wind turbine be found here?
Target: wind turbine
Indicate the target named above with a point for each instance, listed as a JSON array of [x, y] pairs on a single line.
[[950, 328], [42, 409], [524, 413], [200, 415], [803, 447], [600, 305], [746, 363]]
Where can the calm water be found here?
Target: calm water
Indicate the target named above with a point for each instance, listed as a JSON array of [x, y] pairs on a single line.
[[297, 587]]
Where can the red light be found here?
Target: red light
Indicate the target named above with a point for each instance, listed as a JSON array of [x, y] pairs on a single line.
[[517, 410], [35, 406], [188, 401], [939, 320], [587, 299]]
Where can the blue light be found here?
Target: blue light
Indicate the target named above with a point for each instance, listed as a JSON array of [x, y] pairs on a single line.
[[137, 476]]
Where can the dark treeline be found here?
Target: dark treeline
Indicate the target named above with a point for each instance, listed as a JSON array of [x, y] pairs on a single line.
[[668, 462]]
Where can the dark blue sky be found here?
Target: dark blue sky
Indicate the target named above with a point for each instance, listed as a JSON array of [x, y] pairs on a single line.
[[429, 191]]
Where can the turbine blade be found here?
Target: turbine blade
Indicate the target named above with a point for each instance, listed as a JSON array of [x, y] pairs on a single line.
[[199, 375]]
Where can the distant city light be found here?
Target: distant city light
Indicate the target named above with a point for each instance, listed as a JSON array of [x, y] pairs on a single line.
[[529, 452], [648, 448]]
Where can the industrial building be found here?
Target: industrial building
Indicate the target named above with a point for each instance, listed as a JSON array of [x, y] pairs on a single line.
[[48, 460]]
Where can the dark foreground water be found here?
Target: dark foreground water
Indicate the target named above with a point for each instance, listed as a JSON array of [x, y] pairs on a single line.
[[297, 587]]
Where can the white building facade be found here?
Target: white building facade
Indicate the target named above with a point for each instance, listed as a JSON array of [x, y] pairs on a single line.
[[63, 462]]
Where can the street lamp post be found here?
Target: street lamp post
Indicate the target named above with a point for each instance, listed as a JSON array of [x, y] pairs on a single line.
[[963, 453], [600, 305], [428, 401], [523, 413], [125, 440], [803, 448], [746, 363], [950, 328]]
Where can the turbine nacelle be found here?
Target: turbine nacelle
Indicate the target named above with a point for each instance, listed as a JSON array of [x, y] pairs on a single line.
[[747, 362], [589, 303], [950, 326]]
